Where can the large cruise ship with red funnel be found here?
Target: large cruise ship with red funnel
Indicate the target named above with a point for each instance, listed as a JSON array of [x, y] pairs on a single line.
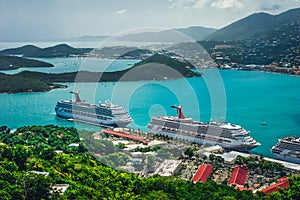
[[103, 114], [226, 135]]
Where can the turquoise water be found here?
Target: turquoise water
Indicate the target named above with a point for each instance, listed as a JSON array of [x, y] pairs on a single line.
[[246, 98], [62, 65]]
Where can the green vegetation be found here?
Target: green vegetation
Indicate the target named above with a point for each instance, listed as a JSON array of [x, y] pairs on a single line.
[[14, 62], [255, 25], [121, 52], [34, 148], [156, 67], [16, 83], [259, 39]]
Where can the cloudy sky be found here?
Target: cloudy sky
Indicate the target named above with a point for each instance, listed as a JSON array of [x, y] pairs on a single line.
[[34, 20]]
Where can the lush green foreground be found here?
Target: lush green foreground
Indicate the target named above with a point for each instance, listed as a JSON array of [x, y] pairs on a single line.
[[33, 148]]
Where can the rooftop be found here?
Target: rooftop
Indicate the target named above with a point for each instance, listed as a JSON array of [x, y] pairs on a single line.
[[239, 176], [283, 183], [203, 173], [168, 167]]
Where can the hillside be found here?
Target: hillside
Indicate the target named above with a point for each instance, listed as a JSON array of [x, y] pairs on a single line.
[[259, 39], [20, 50], [255, 25], [121, 52], [61, 50], [30, 150], [14, 62], [172, 35], [16, 83], [156, 67]]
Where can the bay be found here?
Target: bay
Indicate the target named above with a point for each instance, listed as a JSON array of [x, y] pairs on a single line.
[[73, 64], [246, 98]]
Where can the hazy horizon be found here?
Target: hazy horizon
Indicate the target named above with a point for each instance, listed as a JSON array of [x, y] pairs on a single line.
[[58, 20]]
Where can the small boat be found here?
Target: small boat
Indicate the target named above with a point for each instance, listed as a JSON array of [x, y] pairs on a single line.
[[264, 123]]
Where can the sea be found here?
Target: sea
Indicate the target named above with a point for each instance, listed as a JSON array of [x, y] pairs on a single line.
[[246, 98]]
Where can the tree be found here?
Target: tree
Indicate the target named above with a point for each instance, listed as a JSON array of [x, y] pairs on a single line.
[[189, 152], [20, 155], [35, 186]]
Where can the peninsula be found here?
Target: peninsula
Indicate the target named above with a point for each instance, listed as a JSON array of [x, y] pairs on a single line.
[[15, 62], [156, 67]]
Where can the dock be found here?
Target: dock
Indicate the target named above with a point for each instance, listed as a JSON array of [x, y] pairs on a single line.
[[126, 135]]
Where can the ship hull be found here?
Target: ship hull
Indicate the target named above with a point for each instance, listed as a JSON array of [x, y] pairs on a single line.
[[91, 120], [287, 159], [287, 149], [193, 139]]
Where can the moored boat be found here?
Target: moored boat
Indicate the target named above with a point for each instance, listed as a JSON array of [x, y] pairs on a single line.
[[103, 114], [226, 135]]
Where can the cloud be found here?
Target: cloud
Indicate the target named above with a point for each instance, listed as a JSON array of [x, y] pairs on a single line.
[[227, 4], [269, 6], [200, 4], [121, 12], [205, 3], [183, 3]]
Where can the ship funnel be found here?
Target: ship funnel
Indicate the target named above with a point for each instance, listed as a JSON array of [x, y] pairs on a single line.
[[77, 98], [179, 111]]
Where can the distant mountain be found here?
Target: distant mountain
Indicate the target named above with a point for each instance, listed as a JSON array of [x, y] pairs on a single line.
[[196, 32], [61, 50], [173, 35], [91, 38], [14, 62], [20, 50], [255, 25]]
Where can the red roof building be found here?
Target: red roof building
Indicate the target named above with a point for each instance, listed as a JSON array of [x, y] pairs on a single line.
[[203, 173], [283, 183], [239, 177]]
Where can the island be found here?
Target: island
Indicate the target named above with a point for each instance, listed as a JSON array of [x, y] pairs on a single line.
[[156, 67], [60, 50], [65, 50], [15, 62]]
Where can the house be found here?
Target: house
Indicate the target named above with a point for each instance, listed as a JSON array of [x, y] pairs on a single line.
[[39, 173], [283, 183], [73, 145], [168, 167], [60, 188], [239, 177], [203, 173]]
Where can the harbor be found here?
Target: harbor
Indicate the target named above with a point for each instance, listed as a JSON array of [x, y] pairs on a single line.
[[173, 157]]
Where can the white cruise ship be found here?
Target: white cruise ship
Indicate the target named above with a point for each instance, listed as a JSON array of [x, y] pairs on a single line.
[[226, 135], [287, 149], [103, 114]]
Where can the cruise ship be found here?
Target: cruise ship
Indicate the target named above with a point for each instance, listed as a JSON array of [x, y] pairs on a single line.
[[103, 114], [226, 135], [287, 149]]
